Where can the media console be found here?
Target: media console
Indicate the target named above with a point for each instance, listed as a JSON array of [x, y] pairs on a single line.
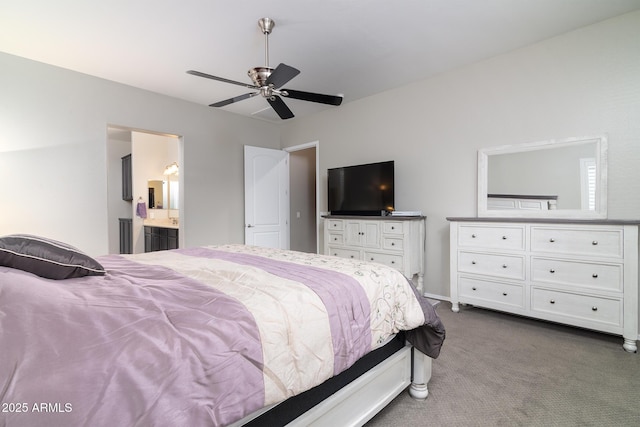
[[397, 242]]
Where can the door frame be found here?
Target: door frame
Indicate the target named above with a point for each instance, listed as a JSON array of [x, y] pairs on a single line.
[[316, 145]]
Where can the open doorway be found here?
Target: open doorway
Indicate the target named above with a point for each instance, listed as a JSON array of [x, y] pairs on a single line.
[[150, 153], [304, 191]]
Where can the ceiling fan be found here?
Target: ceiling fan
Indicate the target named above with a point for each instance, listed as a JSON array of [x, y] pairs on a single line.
[[268, 82]]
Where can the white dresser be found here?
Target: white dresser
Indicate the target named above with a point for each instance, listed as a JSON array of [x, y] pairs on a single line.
[[397, 242], [577, 272]]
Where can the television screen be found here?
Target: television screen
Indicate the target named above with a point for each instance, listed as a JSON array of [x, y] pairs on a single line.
[[361, 189]]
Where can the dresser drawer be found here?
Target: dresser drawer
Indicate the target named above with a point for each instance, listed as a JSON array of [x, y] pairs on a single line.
[[505, 266], [576, 241], [392, 227], [344, 253], [394, 261], [336, 239], [392, 243], [576, 308], [492, 292], [335, 224], [491, 237], [576, 273]]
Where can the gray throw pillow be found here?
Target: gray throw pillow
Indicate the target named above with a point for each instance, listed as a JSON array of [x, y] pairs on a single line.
[[46, 257]]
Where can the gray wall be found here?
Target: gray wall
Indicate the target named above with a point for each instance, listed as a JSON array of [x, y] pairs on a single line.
[[53, 161], [582, 83], [116, 207]]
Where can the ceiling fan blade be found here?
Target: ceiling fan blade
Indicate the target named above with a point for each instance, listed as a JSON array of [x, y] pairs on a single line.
[[234, 99], [281, 75], [313, 97], [281, 108], [220, 79]]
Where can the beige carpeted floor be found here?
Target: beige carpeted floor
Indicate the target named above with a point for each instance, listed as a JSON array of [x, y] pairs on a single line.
[[497, 369]]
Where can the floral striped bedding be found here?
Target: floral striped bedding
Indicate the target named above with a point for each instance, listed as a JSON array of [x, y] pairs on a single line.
[[193, 337]]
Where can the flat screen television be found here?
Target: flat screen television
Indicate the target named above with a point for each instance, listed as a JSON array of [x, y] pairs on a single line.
[[361, 189]]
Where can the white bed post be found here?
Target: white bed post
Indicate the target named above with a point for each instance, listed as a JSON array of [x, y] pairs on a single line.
[[421, 375]]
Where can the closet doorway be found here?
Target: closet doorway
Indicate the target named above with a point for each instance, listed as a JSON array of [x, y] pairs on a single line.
[[303, 199]]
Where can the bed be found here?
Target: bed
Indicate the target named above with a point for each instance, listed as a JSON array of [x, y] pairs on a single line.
[[206, 336]]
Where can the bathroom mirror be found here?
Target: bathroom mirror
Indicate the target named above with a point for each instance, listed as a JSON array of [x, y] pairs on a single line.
[[556, 179], [157, 193], [173, 191], [163, 194]]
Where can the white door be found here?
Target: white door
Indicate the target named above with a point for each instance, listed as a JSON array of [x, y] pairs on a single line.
[[266, 197]]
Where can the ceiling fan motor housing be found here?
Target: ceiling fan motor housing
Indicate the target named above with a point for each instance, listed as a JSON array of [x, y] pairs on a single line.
[[259, 75]]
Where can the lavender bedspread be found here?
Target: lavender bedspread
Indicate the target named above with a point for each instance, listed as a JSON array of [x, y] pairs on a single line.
[[193, 337]]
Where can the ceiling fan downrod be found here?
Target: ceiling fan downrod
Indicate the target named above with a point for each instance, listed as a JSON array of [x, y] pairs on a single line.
[[266, 25]]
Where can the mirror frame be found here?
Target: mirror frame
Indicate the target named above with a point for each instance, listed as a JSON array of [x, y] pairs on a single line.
[[601, 183]]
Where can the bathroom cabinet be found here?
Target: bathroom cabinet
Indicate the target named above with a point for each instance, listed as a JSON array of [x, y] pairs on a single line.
[[126, 235], [127, 181], [160, 238]]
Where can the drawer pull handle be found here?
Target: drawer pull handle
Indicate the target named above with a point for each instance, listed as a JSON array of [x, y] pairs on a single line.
[[594, 243], [552, 301], [594, 275], [351, 256], [504, 265], [552, 240], [474, 289], [504, 293], [393, 244], [393, 262], [371, 258], [594, 308], [473, 236], [552, 271], [392, 227], [473, 262], [504, 237]]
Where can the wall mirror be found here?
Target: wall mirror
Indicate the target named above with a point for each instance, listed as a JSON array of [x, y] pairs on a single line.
[[164, 194], [158, 190], [556, 179], [173, 188]]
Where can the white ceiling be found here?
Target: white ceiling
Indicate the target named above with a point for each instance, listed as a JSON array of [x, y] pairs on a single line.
[[352, 47]]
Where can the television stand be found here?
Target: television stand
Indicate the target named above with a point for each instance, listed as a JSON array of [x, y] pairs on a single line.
[[397, 242]]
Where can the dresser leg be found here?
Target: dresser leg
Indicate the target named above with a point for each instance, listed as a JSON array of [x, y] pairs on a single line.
[[630, 345], [455, 307]]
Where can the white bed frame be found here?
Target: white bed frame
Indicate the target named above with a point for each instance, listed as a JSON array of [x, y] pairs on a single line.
[[360, 400]]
